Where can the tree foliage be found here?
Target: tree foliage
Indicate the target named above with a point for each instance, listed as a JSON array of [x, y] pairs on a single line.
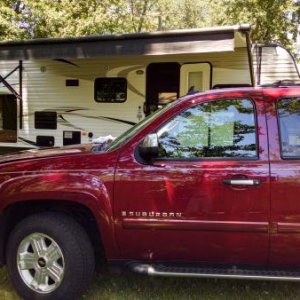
[[182, 14], [273, 20], [61, 18], [9, 25]]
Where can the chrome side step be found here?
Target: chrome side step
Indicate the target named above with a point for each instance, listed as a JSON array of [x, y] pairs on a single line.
[[207, 272]]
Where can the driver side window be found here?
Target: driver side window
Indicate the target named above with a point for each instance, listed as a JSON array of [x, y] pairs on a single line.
[[217, 129]]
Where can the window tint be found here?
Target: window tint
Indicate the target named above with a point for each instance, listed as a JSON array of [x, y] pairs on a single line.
[[289, 126], [224, 128], [110, 90]]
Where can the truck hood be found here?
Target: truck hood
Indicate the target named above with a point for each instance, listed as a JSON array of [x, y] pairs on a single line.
[[48, 152]]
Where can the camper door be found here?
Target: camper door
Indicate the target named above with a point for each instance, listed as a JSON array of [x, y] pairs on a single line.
[[165, 82], [8, 119], [195, 77]]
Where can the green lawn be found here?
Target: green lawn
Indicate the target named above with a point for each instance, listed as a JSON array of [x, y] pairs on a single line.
[[131, 287]]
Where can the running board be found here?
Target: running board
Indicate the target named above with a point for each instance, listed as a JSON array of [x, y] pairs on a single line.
[[213, 272]]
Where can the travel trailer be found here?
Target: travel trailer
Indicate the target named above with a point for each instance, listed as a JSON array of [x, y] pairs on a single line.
[[273, 63], [66, 91]]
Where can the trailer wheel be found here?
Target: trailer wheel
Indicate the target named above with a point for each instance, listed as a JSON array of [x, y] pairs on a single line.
[[49, 256]]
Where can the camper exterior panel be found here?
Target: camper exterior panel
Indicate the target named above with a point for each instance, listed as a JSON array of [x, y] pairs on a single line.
[[44, 89], [276, 64]]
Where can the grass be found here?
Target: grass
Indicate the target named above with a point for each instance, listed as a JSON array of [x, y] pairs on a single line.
[[121, 287], [133, 287]]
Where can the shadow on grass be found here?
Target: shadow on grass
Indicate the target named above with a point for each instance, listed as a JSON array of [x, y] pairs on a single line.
[[7, 291], [129, 286], [134, 287]]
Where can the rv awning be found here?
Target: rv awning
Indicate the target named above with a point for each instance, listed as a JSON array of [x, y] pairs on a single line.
[[159, 43]]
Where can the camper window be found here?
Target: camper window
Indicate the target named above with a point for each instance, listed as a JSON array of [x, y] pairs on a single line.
[[112, 90], [8, 119]]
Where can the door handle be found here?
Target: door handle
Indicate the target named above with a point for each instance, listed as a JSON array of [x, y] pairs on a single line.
[[248, 182]]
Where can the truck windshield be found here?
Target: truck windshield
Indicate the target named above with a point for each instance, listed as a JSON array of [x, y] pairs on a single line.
[[133, 130]]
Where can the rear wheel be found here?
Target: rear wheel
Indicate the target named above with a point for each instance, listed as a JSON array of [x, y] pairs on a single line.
[[49, 256]]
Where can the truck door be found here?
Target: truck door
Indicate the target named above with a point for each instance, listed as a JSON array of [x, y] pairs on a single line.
[[206, 198], [283, 107]]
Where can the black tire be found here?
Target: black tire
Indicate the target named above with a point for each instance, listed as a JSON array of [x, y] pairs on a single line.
[[76, 248]]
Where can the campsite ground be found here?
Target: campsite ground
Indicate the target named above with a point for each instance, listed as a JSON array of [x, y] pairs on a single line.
[[133, 287]]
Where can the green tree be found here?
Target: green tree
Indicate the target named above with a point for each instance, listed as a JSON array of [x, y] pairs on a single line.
[[60, 18], [271, 19], [63, 18], [10, 28], [141, 14], [182, 14]]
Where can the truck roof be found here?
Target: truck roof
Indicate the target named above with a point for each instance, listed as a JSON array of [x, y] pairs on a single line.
[[278, 88]]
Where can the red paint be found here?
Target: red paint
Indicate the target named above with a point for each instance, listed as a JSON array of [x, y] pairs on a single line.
[[285, 190], [83, 177], [195, 189], [199, 217]]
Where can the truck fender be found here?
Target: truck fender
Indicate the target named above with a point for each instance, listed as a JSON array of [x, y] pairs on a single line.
[[83, 188]]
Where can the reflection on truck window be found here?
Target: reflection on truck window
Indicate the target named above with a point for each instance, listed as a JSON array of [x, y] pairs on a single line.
[[217, 129], [8, 119], [127, 135], [289, 124]]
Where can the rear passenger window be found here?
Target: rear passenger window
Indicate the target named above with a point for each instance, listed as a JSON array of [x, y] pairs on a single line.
[[217, 129], [288, 110]]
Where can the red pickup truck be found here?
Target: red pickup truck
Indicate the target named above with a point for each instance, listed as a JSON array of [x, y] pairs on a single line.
[[209, 186]]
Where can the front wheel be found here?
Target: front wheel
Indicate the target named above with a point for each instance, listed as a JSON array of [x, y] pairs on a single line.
[[49, 256]]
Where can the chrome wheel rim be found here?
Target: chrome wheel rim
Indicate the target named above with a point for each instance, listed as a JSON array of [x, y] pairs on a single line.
[[40, 263]]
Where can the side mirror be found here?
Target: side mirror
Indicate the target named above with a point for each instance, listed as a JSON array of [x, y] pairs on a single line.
[[149, 147]]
